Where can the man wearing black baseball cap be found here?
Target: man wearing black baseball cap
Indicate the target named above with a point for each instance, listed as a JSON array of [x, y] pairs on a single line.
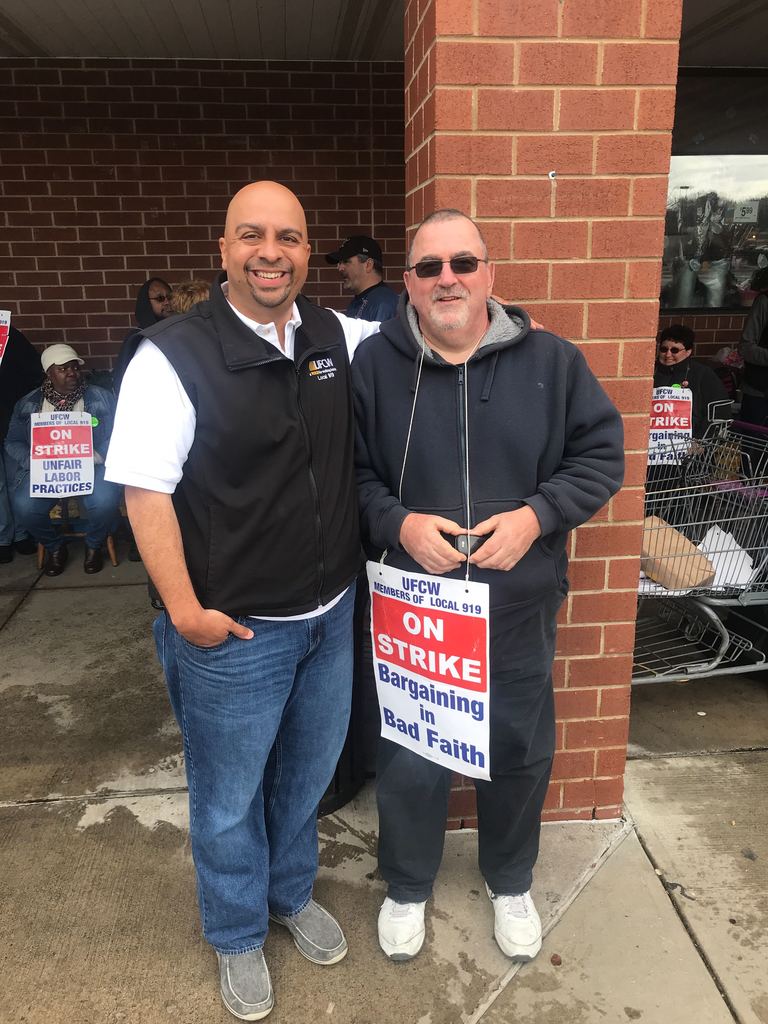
[[360, 265]]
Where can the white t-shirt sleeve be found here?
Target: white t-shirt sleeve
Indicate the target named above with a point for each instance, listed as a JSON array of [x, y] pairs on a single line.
[[356, 331], [154, 425]]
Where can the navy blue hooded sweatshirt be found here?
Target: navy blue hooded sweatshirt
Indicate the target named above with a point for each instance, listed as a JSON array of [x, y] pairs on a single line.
[[541, 432]]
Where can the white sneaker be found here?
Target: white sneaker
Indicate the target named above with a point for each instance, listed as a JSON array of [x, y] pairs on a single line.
[[517, 926], [401, 929]]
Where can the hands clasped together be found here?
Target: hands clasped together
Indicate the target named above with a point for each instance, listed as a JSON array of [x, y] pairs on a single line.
[[509, 536]]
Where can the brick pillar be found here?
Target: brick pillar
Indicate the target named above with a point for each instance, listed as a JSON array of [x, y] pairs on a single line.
[[499, 93]]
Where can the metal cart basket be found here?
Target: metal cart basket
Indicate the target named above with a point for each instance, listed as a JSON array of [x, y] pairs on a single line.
[[713, 492]]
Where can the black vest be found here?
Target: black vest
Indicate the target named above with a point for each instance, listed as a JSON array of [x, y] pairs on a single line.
[[267, 504]]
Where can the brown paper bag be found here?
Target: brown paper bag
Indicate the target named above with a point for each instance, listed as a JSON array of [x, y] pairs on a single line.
[[669, 558]]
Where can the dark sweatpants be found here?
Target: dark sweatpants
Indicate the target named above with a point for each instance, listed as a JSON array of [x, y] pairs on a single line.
[[412, 792]]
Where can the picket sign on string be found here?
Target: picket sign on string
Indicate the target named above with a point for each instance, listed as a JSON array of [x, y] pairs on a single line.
[[61, 455], [671, 426], [431, 656]]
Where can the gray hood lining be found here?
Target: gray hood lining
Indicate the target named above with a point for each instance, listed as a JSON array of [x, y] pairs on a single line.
[[503, 327]]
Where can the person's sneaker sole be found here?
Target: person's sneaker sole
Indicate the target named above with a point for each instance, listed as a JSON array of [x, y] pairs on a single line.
[[397, 954], [520, 954]]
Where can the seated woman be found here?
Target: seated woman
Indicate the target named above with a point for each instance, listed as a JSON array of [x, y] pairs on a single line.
[[63, 390], [675, 366]]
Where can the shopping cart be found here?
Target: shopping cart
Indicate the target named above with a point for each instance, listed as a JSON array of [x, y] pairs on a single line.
[[705, 552]]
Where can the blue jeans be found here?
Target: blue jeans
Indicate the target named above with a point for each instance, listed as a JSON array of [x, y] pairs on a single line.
[[101, 509], [263, 722]]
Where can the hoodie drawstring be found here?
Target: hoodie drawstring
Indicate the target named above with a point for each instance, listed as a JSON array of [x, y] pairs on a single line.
[[485, 394], [415, 390], [410, 427]]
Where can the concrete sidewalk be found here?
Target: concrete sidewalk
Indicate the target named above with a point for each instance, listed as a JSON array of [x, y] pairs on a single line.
[[99, 923]]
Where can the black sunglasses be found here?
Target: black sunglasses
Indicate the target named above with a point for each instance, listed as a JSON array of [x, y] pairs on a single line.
[[159, 298], [673, 351], [459, 265]]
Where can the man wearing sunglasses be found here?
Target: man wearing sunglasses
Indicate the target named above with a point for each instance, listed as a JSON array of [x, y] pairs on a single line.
[[471, 419]]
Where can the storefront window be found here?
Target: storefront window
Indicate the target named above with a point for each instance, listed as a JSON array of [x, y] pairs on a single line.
[[716, 233]]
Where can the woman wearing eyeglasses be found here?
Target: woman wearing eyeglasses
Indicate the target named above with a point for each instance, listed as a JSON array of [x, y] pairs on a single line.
[[676, 367]]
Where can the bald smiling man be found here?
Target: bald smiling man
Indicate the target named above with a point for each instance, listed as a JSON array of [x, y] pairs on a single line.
[[234, 439]]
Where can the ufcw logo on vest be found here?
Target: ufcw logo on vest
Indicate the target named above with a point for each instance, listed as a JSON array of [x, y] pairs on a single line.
[[322, 369]]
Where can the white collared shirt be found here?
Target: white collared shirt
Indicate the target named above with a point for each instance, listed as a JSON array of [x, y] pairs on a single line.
[[269, 331]]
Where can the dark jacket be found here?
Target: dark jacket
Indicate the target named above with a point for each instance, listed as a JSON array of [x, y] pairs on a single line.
[[754, 348], [145, 317], [541, 431], [98, 402], [705, 385], [20, 370], [379, 302], [266, 504]]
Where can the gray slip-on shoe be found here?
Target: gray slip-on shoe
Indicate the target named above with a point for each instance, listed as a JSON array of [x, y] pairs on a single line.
[[246, 988], [318, 935]]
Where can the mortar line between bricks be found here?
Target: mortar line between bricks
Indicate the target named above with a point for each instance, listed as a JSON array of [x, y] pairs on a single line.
[[627, 827], [682, 917], [118, 794]]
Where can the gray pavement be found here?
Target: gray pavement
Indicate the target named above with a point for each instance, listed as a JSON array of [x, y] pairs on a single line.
[[98, 923], [703, 821], [720, 713], [621, 954]]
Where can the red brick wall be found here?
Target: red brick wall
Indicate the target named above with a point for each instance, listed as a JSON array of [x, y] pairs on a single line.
[[113, 171], [498, 93]]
